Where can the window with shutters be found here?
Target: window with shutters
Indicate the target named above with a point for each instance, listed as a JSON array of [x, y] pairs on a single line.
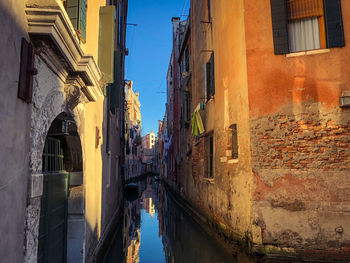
[[301, 25], [210, 78], [76, 10]]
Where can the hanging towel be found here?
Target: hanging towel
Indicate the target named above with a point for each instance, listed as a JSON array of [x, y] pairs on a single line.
[[194, 125], [199, 122]]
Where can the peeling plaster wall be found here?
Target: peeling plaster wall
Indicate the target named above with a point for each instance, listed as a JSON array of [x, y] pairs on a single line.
[[14, 131]]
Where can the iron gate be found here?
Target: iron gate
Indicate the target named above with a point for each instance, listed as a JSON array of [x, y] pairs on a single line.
[[52, 241]]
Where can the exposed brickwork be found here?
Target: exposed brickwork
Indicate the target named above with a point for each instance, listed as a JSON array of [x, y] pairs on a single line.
[[282, 141]]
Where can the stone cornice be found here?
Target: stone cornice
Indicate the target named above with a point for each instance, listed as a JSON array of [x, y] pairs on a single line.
[[53, 26]]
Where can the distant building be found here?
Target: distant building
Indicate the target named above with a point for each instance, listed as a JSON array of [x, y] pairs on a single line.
[[148, 141], [133, 155]]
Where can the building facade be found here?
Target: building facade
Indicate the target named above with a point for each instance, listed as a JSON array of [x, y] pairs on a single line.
[[63, 118], [133, 166], [266, 156], [148, 141]]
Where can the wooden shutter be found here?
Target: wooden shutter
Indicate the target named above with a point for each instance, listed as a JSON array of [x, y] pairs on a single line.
[[280, 26], [211, 157], [116, 87], [234, 141], [207, 79], [76, 10], [82, 19], [73, 12], [212, 75], [209, 10], [27, 71], [334, 23], [106, 43], [206, 155]]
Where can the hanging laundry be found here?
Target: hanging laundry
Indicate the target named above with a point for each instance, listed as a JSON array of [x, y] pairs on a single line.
[[197, 123]]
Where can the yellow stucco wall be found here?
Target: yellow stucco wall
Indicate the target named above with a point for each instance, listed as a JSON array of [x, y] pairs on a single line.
[[93, 117], [227, 198]]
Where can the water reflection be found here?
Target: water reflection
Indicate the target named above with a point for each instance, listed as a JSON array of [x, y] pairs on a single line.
[[156, 230]]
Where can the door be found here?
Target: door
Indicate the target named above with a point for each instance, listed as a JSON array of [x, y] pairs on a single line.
[[52, 241]]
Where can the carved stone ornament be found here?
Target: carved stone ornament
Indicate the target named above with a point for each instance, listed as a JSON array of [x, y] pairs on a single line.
[[51, 29]]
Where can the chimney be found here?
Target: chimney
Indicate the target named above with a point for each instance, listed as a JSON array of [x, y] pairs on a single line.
[[175, 21]]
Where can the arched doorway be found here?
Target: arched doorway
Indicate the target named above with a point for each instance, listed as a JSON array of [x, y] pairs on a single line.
[[62, 220]]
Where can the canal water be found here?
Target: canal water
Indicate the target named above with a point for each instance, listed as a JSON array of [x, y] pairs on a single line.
[[156, 230]]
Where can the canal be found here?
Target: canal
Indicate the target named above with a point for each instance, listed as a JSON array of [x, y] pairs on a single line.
[[157, 230]]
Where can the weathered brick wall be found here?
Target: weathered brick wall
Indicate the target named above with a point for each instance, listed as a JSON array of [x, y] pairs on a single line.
[[301, 142], [301, 159]]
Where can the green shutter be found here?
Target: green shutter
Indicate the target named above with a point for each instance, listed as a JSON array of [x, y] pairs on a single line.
[[82, 19], [76, 10], [334, 23], [280, 26], [116, 87], [106, 43], [73, 12], [212, 74]]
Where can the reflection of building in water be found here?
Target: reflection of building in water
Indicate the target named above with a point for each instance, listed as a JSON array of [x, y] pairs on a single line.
[[133, 249], [184, 240], [147, 199], [131, 232], [149, 206]]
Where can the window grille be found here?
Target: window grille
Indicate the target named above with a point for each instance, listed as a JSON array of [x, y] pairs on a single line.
[[53, 157]]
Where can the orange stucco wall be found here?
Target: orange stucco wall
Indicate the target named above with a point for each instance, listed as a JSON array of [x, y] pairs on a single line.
[[307, 78]]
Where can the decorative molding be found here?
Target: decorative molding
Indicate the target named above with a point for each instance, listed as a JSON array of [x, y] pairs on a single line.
[[52, 26]]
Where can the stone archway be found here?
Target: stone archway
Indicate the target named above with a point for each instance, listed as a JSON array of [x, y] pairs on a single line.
[[65, 101]]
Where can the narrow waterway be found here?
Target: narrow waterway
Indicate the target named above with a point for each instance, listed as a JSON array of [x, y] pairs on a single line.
[[156, 230]]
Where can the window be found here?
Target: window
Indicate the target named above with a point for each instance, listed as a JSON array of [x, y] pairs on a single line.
[[188, 106], [210, 77], [306, 25], [187, 59], [209, 156], [300, 25], [234, 141], [76, 10]]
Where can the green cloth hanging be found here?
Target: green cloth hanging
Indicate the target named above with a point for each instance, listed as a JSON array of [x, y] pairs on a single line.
[[197, 124]]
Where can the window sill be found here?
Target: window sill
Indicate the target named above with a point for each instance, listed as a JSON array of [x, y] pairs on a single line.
[[208, 180], [306, 53], [232, 161], [211, 99]]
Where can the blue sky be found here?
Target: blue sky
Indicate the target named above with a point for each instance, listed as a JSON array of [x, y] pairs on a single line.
[[150, 44]]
